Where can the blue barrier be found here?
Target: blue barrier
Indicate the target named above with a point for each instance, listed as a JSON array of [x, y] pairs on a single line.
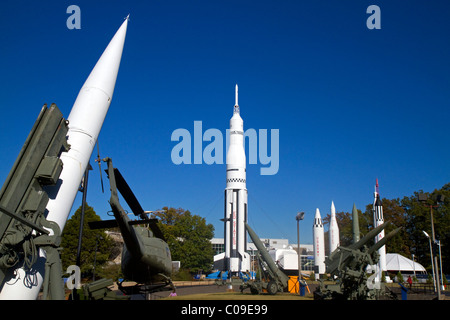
[[404, 292]]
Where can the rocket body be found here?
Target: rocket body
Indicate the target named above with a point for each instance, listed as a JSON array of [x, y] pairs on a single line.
[[378, 219], [319, 245], [85, 122], [334, 230], [236, 258], [355, 224]]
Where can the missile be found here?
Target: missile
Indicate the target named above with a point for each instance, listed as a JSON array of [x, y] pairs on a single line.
[[85, 121], [236, 258], [355, 224], [383, 241], [266, 256], [333, 230], [369, 236], [319, 245], [335, 259], [377, 220]]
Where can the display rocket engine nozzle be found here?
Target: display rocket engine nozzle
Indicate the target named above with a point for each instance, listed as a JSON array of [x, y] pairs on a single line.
[[85, 122]]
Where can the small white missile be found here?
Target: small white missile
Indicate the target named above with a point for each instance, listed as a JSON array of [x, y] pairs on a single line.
[[333, 230], [378, 219], [85, 122], [319, 245]]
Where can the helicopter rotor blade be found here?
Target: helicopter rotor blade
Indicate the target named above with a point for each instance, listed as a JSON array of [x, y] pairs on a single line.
[[135, 206], [128, 195]]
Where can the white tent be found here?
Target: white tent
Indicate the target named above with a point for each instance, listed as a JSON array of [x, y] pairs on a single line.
[[396, 262]]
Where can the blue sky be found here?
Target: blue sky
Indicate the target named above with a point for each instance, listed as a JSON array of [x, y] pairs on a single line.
[[351, 104]]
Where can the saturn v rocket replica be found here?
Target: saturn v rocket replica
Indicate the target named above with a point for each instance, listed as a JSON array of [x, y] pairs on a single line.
[[84, 125], [235, 259]]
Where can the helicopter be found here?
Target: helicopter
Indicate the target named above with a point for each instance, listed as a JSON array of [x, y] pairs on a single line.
[[146, 257]]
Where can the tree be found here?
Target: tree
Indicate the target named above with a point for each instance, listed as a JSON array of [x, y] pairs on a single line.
[[188, 237], [91, 238], [419, 220]]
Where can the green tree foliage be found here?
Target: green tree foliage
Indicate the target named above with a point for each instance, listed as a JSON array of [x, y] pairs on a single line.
[[418, 219], [188, 237], [90, 238]]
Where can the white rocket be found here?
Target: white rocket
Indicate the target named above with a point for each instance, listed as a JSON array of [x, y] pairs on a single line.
[[378, 219], [236, 257], [319, 245], [85, 121], [333, 232]]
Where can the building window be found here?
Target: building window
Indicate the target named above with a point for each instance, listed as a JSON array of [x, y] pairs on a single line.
[[218, 248]]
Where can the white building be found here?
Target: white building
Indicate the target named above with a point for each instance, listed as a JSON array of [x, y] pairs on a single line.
[[282, 253]]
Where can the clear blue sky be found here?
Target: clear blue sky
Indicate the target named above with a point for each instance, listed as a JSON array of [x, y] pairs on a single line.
[[351, 104]]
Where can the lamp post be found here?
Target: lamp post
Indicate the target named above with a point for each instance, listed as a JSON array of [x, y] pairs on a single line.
[[299, 217], [438, 242], [440, 198], [432, 263]]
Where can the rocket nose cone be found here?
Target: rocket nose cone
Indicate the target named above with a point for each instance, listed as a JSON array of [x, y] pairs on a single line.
[[104, 74], [317, 213], [318, 219]]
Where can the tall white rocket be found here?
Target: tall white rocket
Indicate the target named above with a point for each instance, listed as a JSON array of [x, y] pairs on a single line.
[[85, 121], [378, 219], [319, 245], [236, 257], [333, 232]]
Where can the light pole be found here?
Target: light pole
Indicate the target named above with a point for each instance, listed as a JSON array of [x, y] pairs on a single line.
[[438, 242], [440, 198], [299, 217], [432, 263]]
